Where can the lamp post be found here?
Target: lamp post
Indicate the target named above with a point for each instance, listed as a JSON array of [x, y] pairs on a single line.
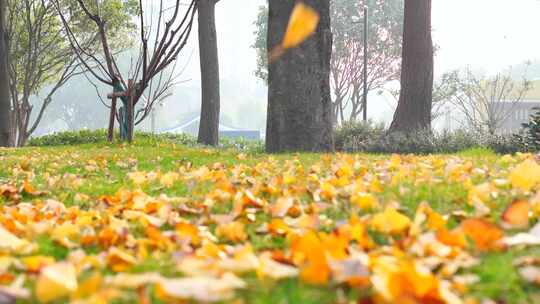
[[366, 20]]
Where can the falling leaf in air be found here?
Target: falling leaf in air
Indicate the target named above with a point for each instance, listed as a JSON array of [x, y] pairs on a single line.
[[302, 24]]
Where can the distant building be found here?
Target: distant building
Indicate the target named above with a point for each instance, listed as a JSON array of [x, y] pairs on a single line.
[[191, 127], [521, 112]]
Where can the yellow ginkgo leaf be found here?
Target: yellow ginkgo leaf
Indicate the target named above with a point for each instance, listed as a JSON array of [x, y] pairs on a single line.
[[199, 289], [37, 262], [11, 243], [303, 23], [273, 269], [390, 221], [526, 175], [516, 215], [56, 281], [234, 231], [169, 179], [364, 201], [138, 177]]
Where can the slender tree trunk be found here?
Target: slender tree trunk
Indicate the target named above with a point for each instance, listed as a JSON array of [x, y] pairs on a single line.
[[210, 105], [5, 102], [299, 101], [415, 100]]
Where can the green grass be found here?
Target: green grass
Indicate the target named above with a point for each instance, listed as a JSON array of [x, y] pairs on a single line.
[[498, 278]]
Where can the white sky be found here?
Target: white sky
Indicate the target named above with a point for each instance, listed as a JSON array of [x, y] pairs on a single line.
[[485, 34]]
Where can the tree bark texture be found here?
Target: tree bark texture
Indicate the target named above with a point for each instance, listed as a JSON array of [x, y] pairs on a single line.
[[5, 101], [210, 104], [299, 101], [415, 100]]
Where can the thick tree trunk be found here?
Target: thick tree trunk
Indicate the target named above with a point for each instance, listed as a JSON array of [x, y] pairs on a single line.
[[210, 105], [299, 101], [415, 100], [5, 102]]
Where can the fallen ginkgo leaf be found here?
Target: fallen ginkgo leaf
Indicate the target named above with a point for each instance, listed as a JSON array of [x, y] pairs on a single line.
[[390, 221], [270, 268], [516, 215], [9, 242], [56, 281], [525, 175], [201, 289], [530, 238]]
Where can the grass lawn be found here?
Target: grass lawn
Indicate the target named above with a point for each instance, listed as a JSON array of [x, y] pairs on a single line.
[[157, 222]]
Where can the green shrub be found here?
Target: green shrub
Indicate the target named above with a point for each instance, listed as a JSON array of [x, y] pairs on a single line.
[[100, 136], [456, 141], [377, 140], [529, 138], [355, 135], [70, 138], [420, 142], [179, 139], [504, 144], [251, 146]]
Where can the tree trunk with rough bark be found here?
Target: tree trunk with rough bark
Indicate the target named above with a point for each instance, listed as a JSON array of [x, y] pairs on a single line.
[[210, 104], [299, 101], [414, 107], [5, 101]]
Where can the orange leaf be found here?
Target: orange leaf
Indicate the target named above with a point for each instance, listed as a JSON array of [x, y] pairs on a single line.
[[302, 24], [309, 252], [454, 238], [36, 263], [233, 231], [31, 190], [278, 227], [188, 231], [282, 206], [484, 234], [516, 215], [410, 283]]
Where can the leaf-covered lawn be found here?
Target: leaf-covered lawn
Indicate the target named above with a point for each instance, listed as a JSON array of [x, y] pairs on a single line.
[[155, 222]]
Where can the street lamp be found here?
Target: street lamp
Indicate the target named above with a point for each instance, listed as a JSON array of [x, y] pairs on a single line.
[[366, 20], [365, 71]]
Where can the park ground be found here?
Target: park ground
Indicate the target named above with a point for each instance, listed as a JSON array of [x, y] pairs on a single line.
[[159, 222]]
